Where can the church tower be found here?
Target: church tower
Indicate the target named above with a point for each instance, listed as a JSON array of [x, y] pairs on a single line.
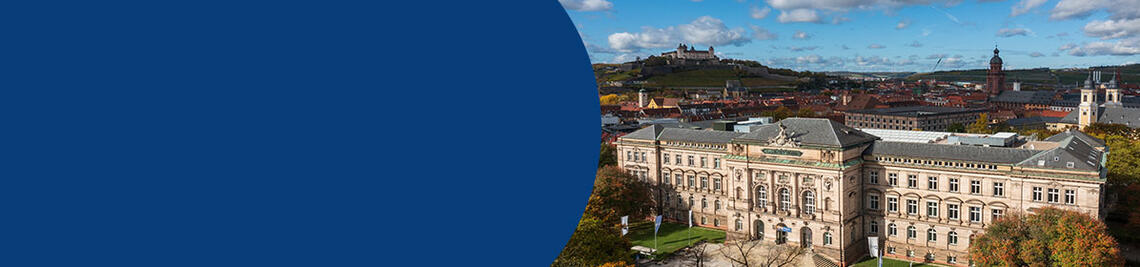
[[1088, 107], [642, 99], [1112, 93], [995, 78]]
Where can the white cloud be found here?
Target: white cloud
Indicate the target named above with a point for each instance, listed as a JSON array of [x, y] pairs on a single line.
[[1126, 47], [876, 46], [1036, 54], [760, 13], [844, 5], [1067, 46], [761, 34], [798, 15], [1120, 9], [803, 48], [702, 31], [587, 5], [1024, 6], [1112, 29], [902, 24], [801, 35], [1010, 32]]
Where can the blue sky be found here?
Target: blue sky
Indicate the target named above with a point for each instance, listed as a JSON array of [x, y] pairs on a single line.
[[867, 35]]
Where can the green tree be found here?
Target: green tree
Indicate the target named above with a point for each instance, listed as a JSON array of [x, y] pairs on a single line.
[[1049, 237], [956, 128], [805, 113], [980, 126], [779, 114], [593, 243], [608, 156]]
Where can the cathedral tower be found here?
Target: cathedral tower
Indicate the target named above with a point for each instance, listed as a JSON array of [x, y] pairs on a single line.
[[995, 78], [1088, 106]]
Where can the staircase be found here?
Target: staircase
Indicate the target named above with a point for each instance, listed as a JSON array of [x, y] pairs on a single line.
[[820, 261]]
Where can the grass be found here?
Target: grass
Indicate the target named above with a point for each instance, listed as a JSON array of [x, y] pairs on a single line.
[[705, 78], [672, 236], [888, 262]]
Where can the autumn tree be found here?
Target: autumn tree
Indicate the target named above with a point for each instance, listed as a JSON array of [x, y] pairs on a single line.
[[980, 126], [618, 193], [610, 99], [805, 113], [1049, 237], [608, 156], [594, 243], [748, 254]]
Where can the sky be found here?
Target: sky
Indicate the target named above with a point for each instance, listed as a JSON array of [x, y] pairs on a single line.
[[867, 35]]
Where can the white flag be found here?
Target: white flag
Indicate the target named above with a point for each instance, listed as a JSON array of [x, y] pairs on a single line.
[[690, 218], [625, 220], [624, 230]]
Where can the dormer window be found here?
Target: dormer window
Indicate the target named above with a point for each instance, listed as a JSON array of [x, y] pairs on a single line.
[[1069, 165]]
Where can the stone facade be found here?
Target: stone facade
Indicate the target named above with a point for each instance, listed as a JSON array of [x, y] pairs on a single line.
[[825, 186]]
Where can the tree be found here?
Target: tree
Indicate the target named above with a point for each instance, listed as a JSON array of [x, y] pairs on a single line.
[[743, 253], [617, 264], [981, 126], [610, 99], [779, 114], [618, 193], [1049, 237], [593, 243], [956, 128], [805, 113], [608, 156]]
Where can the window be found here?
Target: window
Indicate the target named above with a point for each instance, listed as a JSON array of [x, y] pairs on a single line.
[[704, 220], [976, 187], [891, 250], [932, 183], [678, 179], [873, 202], [999, 189], [952, 238], [931, 235], [892, 204], [874, 176], [716, 222], [643, 158], [666, 157], [953, 184], [912, 207], [997, 213], [762, 197], [690, 201], [892, 230], [666, 199], [932, 209], [1070, 197], [809, 202], [827, 238], [704, 162], [976, 214], [1054, 195], [739, 225], [704, 203], [874, 228], [952, 259], [911, 232], [912, 181], [1036, 193], [952, 211], [717, 205], [692, 181], [716, 184], [704, 183], [785, 199], [716, 163], [678, 157], [628, 155], [691, 161], [910, 253], [893, 179]]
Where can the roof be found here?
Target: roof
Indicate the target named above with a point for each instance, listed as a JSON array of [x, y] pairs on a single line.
[[662, 133], [1000, 155], [907, 136], [916, 111], [1112, 115], [1072, 150], [1031, 121], [1025, 97], [811, 131], [1079, 135]]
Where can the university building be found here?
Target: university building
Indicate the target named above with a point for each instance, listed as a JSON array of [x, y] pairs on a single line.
[[826, 186], [925, 118]]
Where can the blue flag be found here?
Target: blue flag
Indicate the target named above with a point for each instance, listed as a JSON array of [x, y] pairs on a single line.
[[657, 224]]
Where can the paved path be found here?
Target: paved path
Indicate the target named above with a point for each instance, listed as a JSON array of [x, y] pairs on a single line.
[[715, 258]]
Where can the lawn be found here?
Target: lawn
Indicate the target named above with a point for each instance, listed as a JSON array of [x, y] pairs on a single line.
[[672, 236], [887, 262]]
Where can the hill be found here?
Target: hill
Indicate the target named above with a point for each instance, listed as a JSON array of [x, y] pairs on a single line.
[[1129, 74], [697, 76]]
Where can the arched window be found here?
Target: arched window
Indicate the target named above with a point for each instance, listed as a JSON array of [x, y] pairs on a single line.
[[690, 201], [762, 197], [739, 225], [892, 230], [931, 235], [827, 238], [910, 232], [809, 202], [785, 199]]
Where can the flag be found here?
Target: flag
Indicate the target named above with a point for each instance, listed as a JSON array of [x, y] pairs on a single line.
[[690, 218], [657, 224], [624, 231], [625, 220]]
